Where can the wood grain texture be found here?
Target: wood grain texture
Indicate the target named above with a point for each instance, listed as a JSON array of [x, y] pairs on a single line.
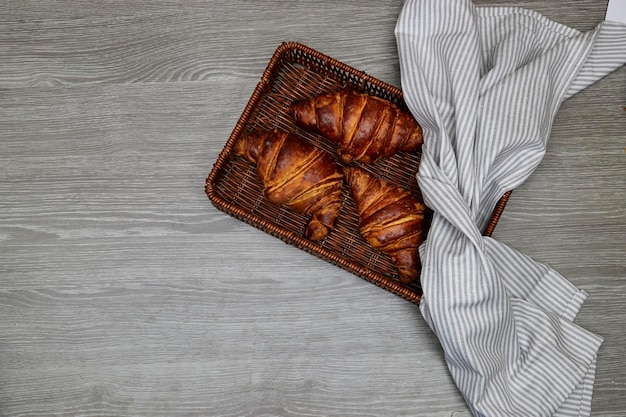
[[123, 292]]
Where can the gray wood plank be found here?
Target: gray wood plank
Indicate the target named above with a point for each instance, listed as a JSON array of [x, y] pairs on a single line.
[[123, 291]]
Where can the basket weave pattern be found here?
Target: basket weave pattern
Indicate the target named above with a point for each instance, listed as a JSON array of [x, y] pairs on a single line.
[[297, 72]]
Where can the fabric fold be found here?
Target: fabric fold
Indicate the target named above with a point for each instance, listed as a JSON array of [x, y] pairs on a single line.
[[486, 85]]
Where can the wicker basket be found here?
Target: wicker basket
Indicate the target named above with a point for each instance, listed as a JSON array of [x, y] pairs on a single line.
[[297, 72]]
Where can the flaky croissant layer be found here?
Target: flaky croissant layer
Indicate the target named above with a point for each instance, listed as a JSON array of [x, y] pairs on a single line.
[[366, 128], [296, 174], [390, 219]]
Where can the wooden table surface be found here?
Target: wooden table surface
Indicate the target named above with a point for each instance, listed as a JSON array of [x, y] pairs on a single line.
[[124, 292]]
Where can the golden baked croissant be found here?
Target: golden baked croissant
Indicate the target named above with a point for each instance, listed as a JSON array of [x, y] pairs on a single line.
[[366, 128], [296, 174], [390, 219]]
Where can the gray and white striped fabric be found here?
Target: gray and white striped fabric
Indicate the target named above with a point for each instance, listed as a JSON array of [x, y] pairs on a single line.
[[486, 84]]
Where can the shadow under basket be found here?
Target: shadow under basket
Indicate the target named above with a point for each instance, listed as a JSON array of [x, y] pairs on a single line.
[[296, 72]]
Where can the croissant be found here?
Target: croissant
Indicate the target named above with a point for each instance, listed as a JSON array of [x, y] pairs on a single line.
[[298, 175], [366, 128], [390, 219]]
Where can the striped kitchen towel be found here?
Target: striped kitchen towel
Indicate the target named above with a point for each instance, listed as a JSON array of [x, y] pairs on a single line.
[[486, 83]]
